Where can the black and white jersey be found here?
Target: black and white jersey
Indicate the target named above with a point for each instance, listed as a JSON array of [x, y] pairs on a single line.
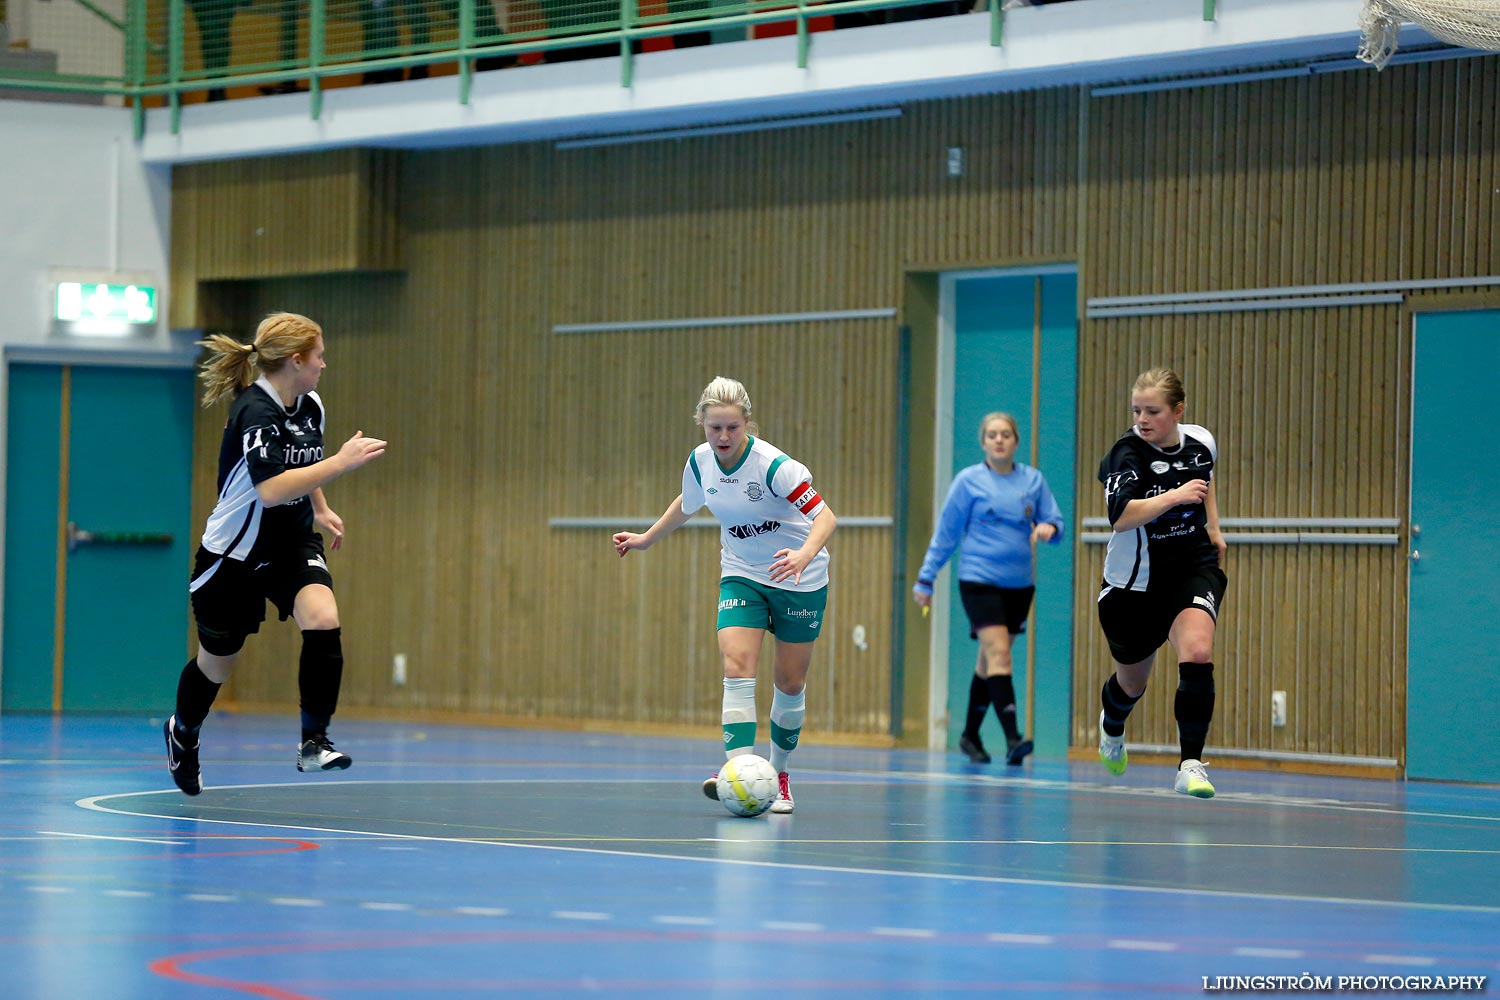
[[263, 439], [1175, 543]]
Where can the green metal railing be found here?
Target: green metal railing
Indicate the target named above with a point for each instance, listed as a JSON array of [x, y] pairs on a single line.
[[316, 41]]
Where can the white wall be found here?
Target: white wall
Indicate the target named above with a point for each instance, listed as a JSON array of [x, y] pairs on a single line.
[[1054, 45], [83, 42], [74, 194]]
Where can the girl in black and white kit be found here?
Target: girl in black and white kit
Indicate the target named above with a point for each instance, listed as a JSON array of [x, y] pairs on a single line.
[[260, 543], [1162, 581]]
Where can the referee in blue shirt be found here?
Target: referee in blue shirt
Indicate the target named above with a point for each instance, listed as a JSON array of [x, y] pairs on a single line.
[[996, 509]]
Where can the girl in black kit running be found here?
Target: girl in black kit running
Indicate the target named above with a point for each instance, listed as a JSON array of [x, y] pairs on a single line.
[[259, 543], [1162, 581]]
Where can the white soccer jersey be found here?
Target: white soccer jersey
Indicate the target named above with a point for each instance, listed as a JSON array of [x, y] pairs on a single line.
[[766, 503]]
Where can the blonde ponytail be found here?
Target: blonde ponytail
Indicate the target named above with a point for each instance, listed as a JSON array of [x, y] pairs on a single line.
[[229, 370], [232, 367]]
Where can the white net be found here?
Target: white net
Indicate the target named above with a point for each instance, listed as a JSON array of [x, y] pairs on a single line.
[[1473, 24]]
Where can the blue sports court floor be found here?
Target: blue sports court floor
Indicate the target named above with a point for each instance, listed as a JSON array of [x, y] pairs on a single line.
[[460, 862]]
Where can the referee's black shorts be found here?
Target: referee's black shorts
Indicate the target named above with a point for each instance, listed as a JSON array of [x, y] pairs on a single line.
[[1136, 622], [987, 605], [229, 596]]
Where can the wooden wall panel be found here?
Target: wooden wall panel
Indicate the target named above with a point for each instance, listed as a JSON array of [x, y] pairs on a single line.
[[282, 216], [1345, 178], [498, 424]]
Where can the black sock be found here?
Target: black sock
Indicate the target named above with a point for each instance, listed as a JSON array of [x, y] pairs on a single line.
[[319, 673], [1194, 707], [1117, 705], [195, 696], [979, 704], [1003, 695]]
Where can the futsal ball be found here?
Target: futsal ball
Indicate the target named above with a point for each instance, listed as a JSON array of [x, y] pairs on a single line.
[[747, 785]]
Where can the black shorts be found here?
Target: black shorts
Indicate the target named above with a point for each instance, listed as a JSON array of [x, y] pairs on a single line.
[[987, 605], [229, 596], [1136, 622]]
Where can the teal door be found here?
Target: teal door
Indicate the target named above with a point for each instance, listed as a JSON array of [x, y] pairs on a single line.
[[96, 615], [1453, 651], [1015, 348]]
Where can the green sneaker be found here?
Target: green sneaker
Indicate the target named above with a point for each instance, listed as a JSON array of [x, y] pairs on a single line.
[[1112, 750], [1192, 780]]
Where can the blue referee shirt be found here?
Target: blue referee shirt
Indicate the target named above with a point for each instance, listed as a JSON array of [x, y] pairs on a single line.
[[992, 515]]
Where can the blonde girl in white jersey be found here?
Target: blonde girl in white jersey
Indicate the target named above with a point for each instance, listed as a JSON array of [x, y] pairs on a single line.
[[774, 567]]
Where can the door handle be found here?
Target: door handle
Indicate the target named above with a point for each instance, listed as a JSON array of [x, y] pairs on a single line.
[[77, 536]]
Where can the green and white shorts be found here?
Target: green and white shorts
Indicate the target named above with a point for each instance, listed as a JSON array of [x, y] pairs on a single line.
[[791, 615]]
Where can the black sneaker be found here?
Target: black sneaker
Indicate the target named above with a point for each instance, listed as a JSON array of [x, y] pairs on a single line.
[[182, 760], [318, 754], [1016, 751], [973, 749]]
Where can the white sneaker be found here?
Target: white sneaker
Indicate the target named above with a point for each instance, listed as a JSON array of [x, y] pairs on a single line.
[[1112, 749], [783, 803], [1192, 779], [318, 754]]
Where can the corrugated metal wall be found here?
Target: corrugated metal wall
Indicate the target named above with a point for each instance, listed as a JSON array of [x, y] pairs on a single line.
[[498, 424]]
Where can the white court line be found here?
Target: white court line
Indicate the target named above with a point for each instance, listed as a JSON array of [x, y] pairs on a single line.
[[675, 921], [481, 911], [393, 907], [1270, 952], [127, 893], [580, 915], [1128, 945], [1003, 938], [903, 932], [1399, 960], [791, 925], [94, 803], [293, 901], [890, 778], [128, 840], [209, 897]]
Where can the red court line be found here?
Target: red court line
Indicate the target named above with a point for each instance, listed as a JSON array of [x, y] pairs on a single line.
[[172, 967], [295, 846]]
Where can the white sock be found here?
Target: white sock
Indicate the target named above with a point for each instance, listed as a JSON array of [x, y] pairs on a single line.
[[787, 711], [739, 716]]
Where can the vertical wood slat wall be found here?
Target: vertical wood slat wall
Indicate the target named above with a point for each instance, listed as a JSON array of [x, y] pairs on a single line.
[[497, 424], [1319, 180]]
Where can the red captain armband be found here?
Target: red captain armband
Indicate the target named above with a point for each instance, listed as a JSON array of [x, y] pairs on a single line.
[[805, 498]]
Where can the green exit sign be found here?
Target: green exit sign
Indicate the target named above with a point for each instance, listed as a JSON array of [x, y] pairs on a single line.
[[86, 301]]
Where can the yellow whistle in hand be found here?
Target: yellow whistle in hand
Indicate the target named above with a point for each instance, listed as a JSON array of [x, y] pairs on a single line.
[[926, 608]]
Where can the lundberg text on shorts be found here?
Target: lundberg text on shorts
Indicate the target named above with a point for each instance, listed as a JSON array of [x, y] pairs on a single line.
[[1338, 984]]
